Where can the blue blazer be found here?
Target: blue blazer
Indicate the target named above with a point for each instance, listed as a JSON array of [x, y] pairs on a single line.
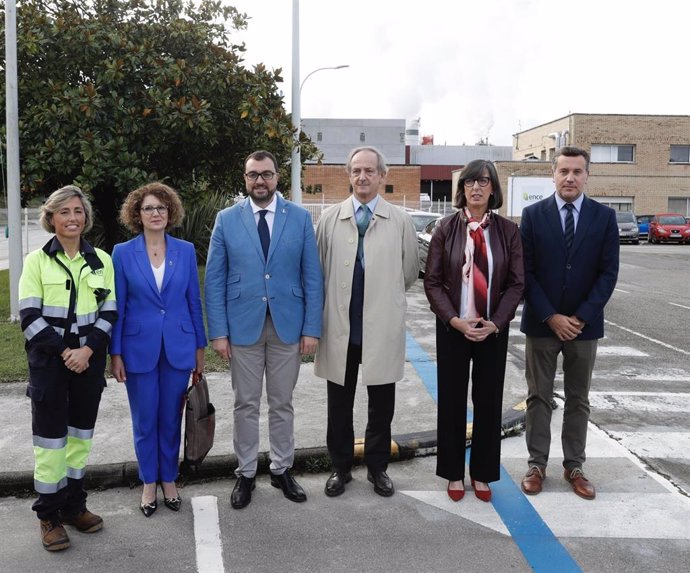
[[580, 284], [149, 320], [240, 285]]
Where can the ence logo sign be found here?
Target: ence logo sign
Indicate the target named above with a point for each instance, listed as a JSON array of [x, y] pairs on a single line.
[[532, 197]]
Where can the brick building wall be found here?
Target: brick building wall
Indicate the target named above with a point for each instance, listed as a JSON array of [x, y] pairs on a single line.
[[334, 185], [649, 180]]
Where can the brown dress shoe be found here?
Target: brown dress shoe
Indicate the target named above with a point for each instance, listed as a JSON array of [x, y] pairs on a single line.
[[532, 482], [581, 485], [86, 522], [53, 535]]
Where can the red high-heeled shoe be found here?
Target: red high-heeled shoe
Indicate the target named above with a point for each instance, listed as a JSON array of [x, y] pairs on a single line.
[[456, 494], [481, 494]]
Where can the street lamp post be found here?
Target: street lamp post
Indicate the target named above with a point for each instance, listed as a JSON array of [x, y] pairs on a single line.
[[296, 166]]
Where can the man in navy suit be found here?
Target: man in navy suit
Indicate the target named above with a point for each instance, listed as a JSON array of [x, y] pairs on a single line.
[[571, 249], [264, 300]]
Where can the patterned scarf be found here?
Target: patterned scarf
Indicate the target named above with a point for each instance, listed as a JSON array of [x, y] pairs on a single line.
[[475, 269]]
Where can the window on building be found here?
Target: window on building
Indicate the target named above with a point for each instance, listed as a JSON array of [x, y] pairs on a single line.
[[319, 136], [680, 154], [552, 152], [679, 205], [402, 137], [613, 153], [543, 155], [616, 203], [361, 137], [389, 189]]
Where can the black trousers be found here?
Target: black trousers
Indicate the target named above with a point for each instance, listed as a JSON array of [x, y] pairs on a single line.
[[61, 399], [341, 436], [455, 354]]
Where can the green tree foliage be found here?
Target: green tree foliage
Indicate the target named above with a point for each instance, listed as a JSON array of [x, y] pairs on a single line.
[[116, 93]]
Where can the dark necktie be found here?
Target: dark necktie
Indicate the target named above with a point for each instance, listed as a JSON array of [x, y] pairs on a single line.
[[264, 235], [569, 231], [363, 218]]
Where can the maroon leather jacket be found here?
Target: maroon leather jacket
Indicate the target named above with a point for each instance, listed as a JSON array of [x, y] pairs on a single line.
[[443, 274]]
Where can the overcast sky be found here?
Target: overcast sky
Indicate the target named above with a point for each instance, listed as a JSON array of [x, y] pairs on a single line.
[[472, 70]]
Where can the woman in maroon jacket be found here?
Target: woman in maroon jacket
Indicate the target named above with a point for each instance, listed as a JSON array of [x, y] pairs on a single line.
[[474, 280]]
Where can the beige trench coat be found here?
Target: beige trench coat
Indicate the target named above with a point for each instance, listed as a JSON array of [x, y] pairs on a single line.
[[391, 262]]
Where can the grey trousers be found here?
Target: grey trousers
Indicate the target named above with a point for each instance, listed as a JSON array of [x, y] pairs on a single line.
[[280, 363], [541, 356]]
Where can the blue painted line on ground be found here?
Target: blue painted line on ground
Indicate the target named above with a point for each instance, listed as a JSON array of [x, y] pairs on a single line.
[[540, 547]]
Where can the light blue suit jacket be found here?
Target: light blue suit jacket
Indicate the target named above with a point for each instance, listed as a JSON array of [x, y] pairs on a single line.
[[146, 317], [241, 286]]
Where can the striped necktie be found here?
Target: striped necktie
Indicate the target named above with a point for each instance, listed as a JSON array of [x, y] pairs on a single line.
[[569, 230]]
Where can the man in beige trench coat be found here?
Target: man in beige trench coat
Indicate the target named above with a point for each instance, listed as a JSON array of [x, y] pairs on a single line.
[[369, 258]]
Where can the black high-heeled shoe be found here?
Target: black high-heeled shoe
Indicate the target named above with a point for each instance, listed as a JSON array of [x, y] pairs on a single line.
[[173, 503], [148, 509]]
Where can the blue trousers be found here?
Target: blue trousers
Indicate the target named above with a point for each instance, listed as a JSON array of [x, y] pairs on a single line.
[[155, 401]]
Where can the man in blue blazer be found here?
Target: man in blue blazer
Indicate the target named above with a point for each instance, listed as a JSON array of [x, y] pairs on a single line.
[[264, 300], [570, 249]]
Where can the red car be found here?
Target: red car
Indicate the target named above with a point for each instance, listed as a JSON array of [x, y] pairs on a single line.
[[667, 227]]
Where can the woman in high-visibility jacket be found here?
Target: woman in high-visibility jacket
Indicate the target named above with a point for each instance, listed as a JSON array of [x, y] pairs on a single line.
[[67, 309]]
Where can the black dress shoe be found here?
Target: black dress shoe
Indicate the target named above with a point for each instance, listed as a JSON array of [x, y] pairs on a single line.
[[335, 485], [173, 503], [291, 489], [242, 492], [148, 509], [383, 485]]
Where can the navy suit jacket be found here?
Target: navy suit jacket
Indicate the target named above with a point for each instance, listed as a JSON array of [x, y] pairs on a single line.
[[241, 285], [579, 284], [149, 320]]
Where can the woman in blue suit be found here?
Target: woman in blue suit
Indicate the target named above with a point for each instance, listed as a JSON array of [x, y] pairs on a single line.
[[159, 337]]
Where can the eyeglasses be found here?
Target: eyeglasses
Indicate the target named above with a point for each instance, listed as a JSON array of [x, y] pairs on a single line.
[[483, 181], [265, 175], [149, 209]]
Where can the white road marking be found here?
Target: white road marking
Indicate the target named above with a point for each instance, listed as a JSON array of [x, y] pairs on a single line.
[[209, 549], [619, 351], [667, 402], [621, 290], [674, 445], [659, 342], [613, 515], [468, 508], [606, 350], [680, 305]]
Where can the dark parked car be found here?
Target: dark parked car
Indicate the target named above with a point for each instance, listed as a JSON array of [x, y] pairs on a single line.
[[627, 228], [669, 227], [643, 225], [424, 238]]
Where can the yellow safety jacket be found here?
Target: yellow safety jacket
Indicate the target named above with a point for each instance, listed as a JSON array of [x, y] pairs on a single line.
[[66, 303]]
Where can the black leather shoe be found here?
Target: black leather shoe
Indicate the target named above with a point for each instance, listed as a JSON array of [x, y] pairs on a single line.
[[148, 509], [291, 489], [173, 503], [383, 485], [242, 492], [335, 485]]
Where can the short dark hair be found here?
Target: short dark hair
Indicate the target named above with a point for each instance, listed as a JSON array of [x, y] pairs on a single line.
[[130, 212], [260, 156], [473, 170], [571, 151]]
